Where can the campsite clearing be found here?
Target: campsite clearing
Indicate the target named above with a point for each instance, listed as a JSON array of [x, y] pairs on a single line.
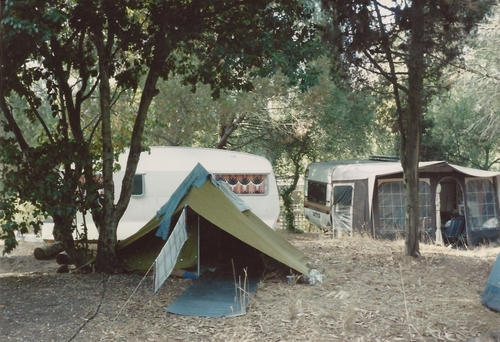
[[371, 292]]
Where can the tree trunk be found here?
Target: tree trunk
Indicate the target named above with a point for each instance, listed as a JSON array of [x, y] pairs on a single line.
[[410, 166], [286, 194], [63, 232], [412, 127], [289, 216], [106, 260]]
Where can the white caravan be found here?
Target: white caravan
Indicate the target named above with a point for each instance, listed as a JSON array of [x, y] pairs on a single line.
[[161, 170]]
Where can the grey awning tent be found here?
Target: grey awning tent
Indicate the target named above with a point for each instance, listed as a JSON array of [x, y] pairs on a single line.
[[215, 203], [376, 190]]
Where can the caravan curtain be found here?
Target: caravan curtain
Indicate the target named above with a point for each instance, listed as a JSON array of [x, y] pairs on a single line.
[[244, 184]]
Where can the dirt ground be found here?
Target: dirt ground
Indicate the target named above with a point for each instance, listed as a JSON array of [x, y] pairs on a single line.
[[371, 292]]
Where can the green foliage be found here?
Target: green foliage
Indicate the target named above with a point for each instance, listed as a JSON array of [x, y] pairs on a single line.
[[400, 51], [16, 217], [466, 125], [326, 122], [181, 117], [45, 180], [346, 125], [457, 131], [265, 38]]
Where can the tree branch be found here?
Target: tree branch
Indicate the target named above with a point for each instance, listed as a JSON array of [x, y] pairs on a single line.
[[12, 124], [226, 131], [28, 95]]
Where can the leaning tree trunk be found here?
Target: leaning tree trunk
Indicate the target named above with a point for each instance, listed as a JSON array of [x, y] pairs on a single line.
[[106, 260]]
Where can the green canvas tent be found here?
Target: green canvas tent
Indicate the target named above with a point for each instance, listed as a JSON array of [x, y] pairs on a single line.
[[227, 223]]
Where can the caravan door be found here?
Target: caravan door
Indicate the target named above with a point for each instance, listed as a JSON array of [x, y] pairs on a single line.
[[342, 209]]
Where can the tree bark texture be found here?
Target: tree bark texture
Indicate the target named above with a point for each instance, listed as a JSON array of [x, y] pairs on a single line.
[[412, 127]]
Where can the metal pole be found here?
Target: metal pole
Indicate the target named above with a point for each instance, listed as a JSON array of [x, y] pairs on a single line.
[[198, 245]]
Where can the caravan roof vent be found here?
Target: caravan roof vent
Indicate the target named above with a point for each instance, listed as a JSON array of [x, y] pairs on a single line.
[[384, 158]]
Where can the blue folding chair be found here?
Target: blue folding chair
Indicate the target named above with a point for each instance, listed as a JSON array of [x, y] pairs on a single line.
[[455, 234]]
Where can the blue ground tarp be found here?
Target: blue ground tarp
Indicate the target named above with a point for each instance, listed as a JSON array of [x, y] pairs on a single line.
[[491, 294], [212, 295]]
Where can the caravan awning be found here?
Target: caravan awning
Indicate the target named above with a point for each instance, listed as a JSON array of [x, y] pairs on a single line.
[[367, 170]]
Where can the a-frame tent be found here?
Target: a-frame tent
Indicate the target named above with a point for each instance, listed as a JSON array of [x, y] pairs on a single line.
[[221, 208]]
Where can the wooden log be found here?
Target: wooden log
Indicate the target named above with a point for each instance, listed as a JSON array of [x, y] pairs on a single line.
[[62, 258], [63, 269], [48, 250]]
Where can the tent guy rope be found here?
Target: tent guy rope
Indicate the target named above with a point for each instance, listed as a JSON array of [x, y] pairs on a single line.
[[125, 305]]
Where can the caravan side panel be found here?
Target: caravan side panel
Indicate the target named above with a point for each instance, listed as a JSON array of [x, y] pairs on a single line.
[[163, 169]]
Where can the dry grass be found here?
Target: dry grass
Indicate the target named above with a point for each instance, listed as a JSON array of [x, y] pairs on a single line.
[[372, 292]]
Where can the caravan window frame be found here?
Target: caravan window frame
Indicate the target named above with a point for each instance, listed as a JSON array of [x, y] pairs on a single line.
[[476, 219], [399, 220], [325, 201], [342, 217], [138, 182]]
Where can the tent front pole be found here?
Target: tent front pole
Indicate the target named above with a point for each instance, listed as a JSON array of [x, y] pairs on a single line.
[[198, 245]]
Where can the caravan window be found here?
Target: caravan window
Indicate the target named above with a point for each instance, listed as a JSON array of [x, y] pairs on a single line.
[[138, 186], [245, 184], [342, 195], [316, 192], [392, 211], [480, 203]]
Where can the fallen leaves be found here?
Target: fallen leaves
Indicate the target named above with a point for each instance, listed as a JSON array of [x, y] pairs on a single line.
[[371, 292]]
